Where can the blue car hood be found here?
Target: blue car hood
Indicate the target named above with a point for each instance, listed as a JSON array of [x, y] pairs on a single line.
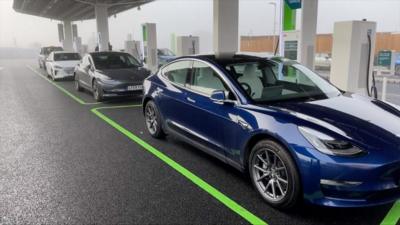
[[355, 117]]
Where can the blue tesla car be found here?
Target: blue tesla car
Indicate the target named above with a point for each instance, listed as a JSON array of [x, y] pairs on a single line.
[[296, 135]]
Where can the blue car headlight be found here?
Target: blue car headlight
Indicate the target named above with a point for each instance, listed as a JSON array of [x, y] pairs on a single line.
[[329, 145]]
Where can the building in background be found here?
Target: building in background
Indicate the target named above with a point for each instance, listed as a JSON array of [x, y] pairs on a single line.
[[384, 41]]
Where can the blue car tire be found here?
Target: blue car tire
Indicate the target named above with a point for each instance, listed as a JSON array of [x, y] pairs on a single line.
[[153, 120], [274, 174]]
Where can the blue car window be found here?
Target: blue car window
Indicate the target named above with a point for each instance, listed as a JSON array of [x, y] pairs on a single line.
[[251, 76], [205, 79], [264, 81], [177, 72]]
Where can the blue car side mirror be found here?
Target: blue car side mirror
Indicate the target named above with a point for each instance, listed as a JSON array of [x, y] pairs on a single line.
[[218, 96]]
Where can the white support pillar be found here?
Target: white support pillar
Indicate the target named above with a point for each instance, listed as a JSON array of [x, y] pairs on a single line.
[[68, 40], [226, 27], [101, 11], [281, 47], [150, 45], [393, 63], [309, 16], [384, 88]]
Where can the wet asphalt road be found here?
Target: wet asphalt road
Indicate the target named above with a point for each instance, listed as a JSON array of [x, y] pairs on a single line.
[[61, 164]]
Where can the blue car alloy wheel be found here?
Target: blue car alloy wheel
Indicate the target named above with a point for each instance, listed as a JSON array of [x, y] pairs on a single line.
[[273, 174], [298, 137], [153, 122]]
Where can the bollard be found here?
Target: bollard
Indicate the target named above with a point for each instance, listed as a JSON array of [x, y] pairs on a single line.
[[384, 87]]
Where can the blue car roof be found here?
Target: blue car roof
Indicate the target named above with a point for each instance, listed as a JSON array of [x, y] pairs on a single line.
[[223, 61]]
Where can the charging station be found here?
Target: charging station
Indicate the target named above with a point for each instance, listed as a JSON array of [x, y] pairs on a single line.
[[298, 39], [396, 63], [60, 28], [150, 45], [352, 56], [187, 45], [385, 62], [77, 41], [291, 44], [78, 45], [134, 48]]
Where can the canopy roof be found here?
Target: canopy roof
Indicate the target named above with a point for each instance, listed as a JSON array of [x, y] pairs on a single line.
[[72, 10]]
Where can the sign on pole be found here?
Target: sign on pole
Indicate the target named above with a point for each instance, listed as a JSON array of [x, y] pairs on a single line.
[[60, 27]]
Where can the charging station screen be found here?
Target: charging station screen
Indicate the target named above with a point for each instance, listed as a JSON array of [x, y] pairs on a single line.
[[291, 50]]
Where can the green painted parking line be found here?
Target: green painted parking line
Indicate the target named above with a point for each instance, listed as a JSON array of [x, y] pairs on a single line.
[[235, 207], [391, 218], [393, 215], [74, 97], [117, 107]]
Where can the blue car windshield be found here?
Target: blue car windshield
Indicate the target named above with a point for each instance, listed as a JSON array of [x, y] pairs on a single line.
[[270, 81]]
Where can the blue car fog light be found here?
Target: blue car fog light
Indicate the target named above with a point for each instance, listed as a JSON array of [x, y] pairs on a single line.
[[339, 183]]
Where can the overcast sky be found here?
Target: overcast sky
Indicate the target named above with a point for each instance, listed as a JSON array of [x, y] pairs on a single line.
[[184, 17]]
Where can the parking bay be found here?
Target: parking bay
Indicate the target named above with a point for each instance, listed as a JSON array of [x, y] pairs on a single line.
[[61, 164], [236, 185], [222, 177]]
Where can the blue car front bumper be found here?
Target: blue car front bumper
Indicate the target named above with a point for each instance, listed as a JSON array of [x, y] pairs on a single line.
[[338, 182]]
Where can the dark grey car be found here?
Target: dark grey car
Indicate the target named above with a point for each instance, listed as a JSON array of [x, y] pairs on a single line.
[[110, 74]]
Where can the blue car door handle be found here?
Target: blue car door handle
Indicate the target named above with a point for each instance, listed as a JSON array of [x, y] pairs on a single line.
[[190, 100], [243, 124]]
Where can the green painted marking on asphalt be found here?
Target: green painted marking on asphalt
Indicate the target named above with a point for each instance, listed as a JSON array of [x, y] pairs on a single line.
[[77, 99], [118, 107], [244, 213], [393, 215], [391, 218]]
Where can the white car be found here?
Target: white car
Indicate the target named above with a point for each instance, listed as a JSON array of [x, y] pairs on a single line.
[[61, 64]]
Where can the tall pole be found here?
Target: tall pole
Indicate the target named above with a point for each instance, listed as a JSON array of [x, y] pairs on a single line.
[[274, 32], [225, 26], [281, 41], [308, 33], [103, 37], [68, 38]]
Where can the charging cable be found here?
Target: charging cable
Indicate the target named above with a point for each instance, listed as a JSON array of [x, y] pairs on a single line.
[[373, 90]]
